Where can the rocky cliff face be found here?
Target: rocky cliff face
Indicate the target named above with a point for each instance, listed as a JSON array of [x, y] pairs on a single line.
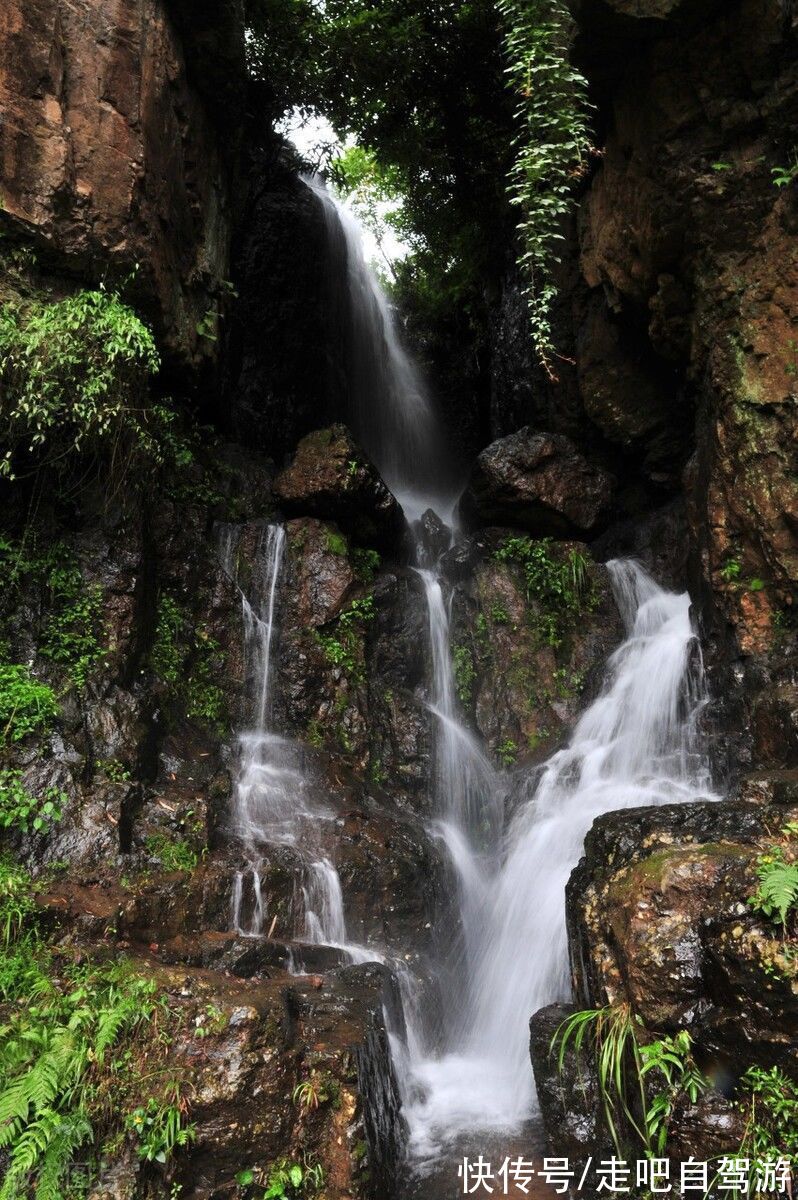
[[113, 161]]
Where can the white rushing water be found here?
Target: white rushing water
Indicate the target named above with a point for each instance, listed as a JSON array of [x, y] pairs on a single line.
[[635, 745], [389, 409], [273, 803]]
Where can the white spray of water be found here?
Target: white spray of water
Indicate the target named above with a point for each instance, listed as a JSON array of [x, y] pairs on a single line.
[[635, 745], [273, 802], [390, 411]]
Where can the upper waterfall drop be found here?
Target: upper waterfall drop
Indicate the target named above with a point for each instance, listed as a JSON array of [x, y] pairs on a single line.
[[389, 407]]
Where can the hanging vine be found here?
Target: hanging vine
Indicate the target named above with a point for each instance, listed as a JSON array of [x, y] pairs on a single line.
[[552, 145]]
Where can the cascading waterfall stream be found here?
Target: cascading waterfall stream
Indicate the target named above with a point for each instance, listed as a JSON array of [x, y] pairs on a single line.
[[389, 408], [636, 745], [271, 799]]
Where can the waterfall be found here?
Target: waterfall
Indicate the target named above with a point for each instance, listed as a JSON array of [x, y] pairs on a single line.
[[635, 745], [272, 802], [389, 409]]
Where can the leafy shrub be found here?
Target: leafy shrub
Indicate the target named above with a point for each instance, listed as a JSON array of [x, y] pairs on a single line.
[[159, 1129], [464, 673], [770, 1099], [630, 1100], [73, 634], [19, 809], [74, 374], [26, 705], [344, 647], [190, 661]]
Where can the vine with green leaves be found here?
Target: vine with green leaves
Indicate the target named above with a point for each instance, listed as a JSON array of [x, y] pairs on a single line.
[[552, 146]]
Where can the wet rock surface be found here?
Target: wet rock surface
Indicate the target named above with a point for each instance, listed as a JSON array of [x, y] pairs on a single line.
[[330, 477], [538, 482], [113, 160], [659, 920]]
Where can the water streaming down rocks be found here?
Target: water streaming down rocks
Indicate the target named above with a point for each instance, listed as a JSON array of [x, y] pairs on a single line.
[[636, 745], [389, 409], [272, 799]]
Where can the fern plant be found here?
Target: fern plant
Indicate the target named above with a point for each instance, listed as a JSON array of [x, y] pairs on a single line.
[[56, 1067], [552, 145], [777, 894]]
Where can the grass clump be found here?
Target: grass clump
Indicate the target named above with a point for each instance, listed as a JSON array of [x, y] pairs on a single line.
[[175, 854], [639, 1082]]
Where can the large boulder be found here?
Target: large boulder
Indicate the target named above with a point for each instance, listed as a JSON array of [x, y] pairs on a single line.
[[330, 477], [539, 482]]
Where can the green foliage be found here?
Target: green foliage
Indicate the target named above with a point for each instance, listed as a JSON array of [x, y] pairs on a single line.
[[366, 564], [670, 1059], [771, 1100], [21, 810], [291, 1179], [731, 570], [499, 614], [344, 647], [159, 1129], [777, 894], [26, 705], [623, 1067], [786, 175], [175, 854], [552, 144], [114, 770], [190, 661], [74, 374], [16, 905], [336, 543], [70, 1046], [507, 752], [464, 673], [73, 636], [559, 582]]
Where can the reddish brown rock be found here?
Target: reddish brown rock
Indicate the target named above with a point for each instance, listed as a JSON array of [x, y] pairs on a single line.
[[111, 158], [538, 482], [330, 477]]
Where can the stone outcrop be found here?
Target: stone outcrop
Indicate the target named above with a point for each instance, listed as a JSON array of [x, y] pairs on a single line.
[[330, 477], [538, 482], [688, 250], [112, 162], [659, 920]]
